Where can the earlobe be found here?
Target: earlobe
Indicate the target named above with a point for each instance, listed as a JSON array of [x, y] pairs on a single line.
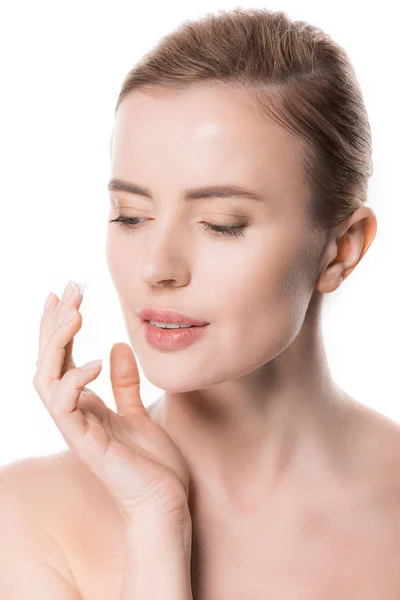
[[333, 273], [331, 279], [351, 245]]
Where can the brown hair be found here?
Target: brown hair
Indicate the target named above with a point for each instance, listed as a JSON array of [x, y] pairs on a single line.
[[298, 76]]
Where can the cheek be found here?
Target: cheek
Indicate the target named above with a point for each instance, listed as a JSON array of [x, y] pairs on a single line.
[[257, 280], [264, 300], [120, 264], [113, 258]]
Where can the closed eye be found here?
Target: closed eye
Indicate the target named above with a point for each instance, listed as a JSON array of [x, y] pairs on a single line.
[[129, 224]]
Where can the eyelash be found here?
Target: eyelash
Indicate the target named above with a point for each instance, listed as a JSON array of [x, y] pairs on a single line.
[[126, 225]]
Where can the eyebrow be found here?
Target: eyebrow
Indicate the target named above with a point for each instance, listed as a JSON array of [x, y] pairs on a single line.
[[211, 191]]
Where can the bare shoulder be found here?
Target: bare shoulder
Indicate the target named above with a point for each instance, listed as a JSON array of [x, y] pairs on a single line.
[[27, 541], [377, 457], [37, 484], [78, 525], [377, 428], [48, 485], [55, 483]]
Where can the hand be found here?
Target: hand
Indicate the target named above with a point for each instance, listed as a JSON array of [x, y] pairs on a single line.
[[132, 455]]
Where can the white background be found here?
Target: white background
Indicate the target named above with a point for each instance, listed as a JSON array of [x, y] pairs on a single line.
[[62, 66]]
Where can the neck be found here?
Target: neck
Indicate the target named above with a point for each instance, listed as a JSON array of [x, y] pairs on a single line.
[[244, 439]]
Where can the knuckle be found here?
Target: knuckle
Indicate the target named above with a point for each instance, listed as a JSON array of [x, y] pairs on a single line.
[[35, 380], [124, 380], [69, 377], [69, 381], [38, 385]]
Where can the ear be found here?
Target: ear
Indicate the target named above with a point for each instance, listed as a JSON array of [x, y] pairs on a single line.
[[350, 242]]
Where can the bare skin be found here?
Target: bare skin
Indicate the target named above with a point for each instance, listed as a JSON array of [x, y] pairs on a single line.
[[336, 539], [256, 388], [294, 486]]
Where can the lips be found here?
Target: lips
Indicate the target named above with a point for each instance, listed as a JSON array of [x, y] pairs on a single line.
[[168, 316]]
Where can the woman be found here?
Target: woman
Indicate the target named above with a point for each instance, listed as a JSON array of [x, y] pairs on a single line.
[[240, 159]]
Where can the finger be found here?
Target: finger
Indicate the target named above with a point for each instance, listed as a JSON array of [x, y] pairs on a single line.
[[76, 302], [51, 359], [125, 380], [58, 308], [82, 430], [48, 380], [47, 322], [49, 369], [46, 327]]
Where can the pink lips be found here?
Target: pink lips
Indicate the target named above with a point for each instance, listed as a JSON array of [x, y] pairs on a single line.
[[168, 316], [172, 339]]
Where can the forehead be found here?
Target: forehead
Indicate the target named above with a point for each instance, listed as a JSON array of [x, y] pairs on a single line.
[[203, 132]]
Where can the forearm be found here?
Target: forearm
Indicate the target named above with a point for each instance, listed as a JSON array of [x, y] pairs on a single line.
[[157, 560]]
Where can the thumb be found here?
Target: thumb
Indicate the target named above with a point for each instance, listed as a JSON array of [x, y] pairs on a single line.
[[125, 380]]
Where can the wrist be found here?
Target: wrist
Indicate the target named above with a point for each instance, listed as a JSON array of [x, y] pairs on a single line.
[[165, 540], [153, 524], [154, 514]]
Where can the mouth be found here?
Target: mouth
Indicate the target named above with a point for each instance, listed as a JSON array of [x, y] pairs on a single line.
[[170, 326], [164, 337], [169, 318]]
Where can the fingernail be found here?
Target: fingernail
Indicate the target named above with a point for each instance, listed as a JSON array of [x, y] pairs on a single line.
[[68, 292], [49, 302], [73, 287], [92, 364], [81, 286]]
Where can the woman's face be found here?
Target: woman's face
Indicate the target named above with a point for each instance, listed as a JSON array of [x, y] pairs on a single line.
[[253, 288]]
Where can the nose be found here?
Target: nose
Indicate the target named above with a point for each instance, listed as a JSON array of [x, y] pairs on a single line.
[[165, 261]]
